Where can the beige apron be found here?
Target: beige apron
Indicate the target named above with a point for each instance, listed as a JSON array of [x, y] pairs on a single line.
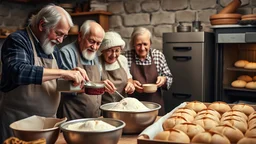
[[119, 79], [28, 100], [81, 105], [147, 74]]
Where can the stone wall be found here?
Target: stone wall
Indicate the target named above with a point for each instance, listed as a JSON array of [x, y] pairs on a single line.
[[164, 15]]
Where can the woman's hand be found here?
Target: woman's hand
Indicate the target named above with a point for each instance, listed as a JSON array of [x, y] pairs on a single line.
[[138, 86], [129, 88], [161, 80], [109, 86]]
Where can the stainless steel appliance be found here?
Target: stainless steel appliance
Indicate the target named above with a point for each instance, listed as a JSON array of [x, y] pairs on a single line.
[[190, 57], [234, 42]]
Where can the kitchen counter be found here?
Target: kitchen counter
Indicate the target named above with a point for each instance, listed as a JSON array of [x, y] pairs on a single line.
[[125, 139]]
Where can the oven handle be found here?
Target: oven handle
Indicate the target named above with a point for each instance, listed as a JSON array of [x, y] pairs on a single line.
[[182, 48], [182, 58], [181, 95]]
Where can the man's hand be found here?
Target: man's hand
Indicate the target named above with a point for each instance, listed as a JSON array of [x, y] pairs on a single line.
[[161, 80]]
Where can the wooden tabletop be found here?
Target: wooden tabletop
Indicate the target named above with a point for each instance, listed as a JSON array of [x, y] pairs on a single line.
[[125, 139]]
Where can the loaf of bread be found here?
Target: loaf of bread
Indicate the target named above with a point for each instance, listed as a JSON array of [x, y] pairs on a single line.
[[241, 63], [190, 129], [211, 111], [247, 140], [251, 85], [206, 123], [240, 124], [245, 108], [219, 106], [210, 137], [235, 112], [236, 117], [173, 135], [183, 109], [196, 106], [172, 121], [250, 65], [232, 133], [252, 116], [245, 78], [238, 84], [185, 115], [254, 78], [251, 132], [207, 115]]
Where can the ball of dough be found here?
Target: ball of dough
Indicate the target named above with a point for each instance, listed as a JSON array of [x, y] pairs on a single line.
[[241, 63], [245, 78], [238, 83]]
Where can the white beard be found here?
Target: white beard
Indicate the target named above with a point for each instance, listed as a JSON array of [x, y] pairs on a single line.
[[88, 55], [47, 45]]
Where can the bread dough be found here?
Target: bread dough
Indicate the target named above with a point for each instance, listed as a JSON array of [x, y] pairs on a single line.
[[245, 78], [91, 125], [241, 63], [251, 85], [238, 83], [130, 104], [250, 65]]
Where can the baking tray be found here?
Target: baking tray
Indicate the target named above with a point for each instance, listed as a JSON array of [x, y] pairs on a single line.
[[157, 126]]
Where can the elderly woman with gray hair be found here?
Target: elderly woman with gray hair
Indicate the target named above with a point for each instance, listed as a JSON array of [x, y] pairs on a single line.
[[114, 66], [147, 65]]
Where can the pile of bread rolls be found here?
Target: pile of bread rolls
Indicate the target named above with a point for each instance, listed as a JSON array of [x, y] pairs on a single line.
[[245, 81], [245, 64], [215, 122]]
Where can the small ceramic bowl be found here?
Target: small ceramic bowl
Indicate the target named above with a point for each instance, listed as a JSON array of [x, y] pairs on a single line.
[[149, 88]]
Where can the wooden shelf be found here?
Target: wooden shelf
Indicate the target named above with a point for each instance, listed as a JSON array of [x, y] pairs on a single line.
[[3, 37], [91, 13]]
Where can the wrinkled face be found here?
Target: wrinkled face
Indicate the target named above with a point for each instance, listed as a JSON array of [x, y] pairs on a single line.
[[89, 44], [110, 55], [142, 45], [53, 36]]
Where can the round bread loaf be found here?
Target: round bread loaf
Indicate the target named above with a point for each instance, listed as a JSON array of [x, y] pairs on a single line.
[[252, 116], [235, 112], [211, 111], [238, 84], [210, 137], [251, 132], [236, 117], [232, 133], [241, 63], [240, 124], [251, 123], [172, 121], [196, 106], [250, 65], [207, 115], [251, 85], [254, 78], [245, 78], [245, 108], [247, 140], [183, 109], [185, 115], [173, 135], [190, 129], [206, 123], [219, 106]]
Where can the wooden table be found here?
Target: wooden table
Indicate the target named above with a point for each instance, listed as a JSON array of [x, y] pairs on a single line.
[[125, 139]]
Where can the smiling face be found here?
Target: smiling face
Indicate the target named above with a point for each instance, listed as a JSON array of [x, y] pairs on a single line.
[[142, 45], [111, 55]]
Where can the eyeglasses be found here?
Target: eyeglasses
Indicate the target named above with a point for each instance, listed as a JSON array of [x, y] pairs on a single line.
[[93, 42], [60, 34], [111, 51]]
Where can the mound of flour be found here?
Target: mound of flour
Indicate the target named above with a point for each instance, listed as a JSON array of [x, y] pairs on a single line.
[[130, 104]]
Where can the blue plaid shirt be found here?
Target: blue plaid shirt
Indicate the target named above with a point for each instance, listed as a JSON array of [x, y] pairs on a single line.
[[18, 61]]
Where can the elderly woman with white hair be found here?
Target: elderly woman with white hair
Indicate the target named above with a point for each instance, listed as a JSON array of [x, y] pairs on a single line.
[[114, 66], [147, 65]]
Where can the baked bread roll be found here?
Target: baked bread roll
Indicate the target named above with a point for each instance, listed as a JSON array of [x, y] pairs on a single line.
[[251, 132], [247, 140], [245, 78], [245, 108], [183, 109], [207, 115], [235, 112], [190, 129], [219, 106], [185, 115], [252, 116], [254, 78], [172, 121], [241, 63], [206, 123], [210, 137], [211, 111], [173, 135], [238, 83], [251, 85], [236, 117], [241, 125], [250, 65], [196, 106], [232, 133]]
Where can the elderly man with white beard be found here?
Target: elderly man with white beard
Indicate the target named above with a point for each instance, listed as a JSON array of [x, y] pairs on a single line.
[[83, 53], [31, 64]]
